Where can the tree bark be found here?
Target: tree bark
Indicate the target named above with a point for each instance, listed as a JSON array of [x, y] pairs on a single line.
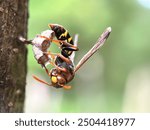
[[13, 54]]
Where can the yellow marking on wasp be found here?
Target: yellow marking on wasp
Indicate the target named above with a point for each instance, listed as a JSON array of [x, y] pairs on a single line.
[[54, 79], [69, 52], [69, 39], [64, 34]]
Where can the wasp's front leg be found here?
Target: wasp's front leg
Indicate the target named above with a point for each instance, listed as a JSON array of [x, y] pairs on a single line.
[[54, 55], [68, 46], [57, 42]]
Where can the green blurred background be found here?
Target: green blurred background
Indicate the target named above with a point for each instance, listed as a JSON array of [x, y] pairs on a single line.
[[116, 78]]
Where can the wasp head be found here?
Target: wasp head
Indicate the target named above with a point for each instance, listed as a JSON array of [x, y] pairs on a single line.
[[57, 79]]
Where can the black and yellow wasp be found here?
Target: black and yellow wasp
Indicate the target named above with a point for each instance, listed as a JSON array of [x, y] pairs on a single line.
[[64, 69]]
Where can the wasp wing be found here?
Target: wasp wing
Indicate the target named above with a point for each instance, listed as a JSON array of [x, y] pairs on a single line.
[[98, 44], [72, 56]]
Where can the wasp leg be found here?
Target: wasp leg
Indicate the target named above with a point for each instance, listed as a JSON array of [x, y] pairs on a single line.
[[58, 68], [53, 55], [70, 46], [61, 43], [46, 69], [67, 51], [53, 58], [51, 62], [67, 60], [57, 42], [61, 69]]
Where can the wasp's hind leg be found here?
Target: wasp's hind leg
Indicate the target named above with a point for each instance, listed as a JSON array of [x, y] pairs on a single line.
[[46, 70], [57, 42], [67, 60], [69, 47], [53, 56]]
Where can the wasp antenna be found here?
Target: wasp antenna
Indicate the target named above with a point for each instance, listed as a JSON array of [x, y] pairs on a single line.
[[39, 80]]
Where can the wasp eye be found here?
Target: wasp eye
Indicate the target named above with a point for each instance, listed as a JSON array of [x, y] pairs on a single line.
[[61, 79], [54, 79]]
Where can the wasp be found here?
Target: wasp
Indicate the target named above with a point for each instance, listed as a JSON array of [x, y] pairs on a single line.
[[65, 69], [41, 43]]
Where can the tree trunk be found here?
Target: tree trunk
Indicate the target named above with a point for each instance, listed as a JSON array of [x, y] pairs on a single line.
[[13, 54]]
